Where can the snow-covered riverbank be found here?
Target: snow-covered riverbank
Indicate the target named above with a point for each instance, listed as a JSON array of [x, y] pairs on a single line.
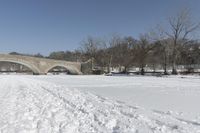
[[77, 104]]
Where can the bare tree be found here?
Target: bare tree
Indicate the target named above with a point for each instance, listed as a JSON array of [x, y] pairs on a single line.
[[181, 26], [190, 54], [110, 51], [90, 47], [143, 47], [127, 52], [163, 47]]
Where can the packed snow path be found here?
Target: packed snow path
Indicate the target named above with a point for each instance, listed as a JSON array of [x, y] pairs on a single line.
[[33, 106]]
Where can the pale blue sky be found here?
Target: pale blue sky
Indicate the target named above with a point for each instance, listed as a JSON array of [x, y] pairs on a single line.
[[42, 26]]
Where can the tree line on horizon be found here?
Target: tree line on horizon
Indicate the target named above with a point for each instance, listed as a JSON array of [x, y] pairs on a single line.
[[163, 47]]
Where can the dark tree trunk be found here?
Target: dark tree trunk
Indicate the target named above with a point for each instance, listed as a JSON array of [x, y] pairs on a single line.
[[125, 70], [165, 69], [174, 71], [142, 71], [165, 65]]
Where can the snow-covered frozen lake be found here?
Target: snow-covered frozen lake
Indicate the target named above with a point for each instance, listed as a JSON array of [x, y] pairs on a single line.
[[66, 103], [174, 93]]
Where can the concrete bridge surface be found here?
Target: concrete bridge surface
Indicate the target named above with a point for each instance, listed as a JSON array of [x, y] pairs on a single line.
[[42, 65]]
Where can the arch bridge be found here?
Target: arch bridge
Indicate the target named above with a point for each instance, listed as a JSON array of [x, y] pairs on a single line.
[[41, 66]]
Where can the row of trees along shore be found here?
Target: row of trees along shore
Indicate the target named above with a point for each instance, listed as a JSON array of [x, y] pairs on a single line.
[[164, 48]]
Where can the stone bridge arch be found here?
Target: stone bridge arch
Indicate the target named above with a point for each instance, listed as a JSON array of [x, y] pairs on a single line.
[[71, 69], [33, 68]]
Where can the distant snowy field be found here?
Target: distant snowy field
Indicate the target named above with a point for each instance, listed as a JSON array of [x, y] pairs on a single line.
[[107, 104]]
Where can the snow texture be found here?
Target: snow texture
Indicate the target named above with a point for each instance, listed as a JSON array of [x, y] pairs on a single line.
[[30, 105]]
